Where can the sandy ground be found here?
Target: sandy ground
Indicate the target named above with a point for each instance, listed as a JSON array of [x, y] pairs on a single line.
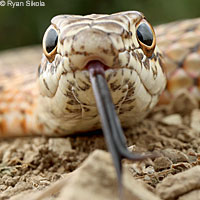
[[172, 131]]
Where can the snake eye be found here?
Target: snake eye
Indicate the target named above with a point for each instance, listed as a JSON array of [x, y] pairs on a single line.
[[146, 37], [50, 41], [145, 34]]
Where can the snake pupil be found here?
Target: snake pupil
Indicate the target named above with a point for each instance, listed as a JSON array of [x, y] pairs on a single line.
[[145, 34], [51, 40]]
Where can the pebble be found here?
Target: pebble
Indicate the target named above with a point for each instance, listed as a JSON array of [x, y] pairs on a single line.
[[174, 119], [162, 163], [195, 120], [173, 187], [58, 145], [175, 155]]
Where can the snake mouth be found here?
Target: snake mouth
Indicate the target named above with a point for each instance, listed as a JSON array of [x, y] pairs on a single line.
[[112, 130], [96, 67]]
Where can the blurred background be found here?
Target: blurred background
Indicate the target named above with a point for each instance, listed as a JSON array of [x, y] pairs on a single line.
[[22, 26]]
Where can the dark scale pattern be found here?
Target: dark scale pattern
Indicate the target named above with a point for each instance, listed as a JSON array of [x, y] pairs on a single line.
[[146, 63], [45, 83]]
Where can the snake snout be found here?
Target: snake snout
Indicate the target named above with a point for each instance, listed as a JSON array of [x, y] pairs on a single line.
[[97, 46]]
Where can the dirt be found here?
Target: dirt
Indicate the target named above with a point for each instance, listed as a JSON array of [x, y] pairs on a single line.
[[170, 131]]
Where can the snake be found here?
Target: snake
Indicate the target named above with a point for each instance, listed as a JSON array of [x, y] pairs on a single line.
[[141, 66], [59, 100]]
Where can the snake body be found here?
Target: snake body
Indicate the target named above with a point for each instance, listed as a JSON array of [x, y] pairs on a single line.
[[60, 101], [180, 43]]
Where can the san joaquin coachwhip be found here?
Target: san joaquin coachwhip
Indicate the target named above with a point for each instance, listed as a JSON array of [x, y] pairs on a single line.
[[125, 45]]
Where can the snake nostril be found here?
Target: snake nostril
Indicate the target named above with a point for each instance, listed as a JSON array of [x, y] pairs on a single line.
[[130, 33]]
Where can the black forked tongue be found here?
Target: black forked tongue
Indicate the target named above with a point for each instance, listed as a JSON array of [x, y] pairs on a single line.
[[112, 130]]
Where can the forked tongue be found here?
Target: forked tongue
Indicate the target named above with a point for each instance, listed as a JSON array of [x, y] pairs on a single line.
[[111, 126]]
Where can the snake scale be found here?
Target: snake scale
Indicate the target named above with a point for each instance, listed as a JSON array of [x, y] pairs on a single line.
[[58, 99]]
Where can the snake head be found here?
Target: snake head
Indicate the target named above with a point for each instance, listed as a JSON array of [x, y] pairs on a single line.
[[124, 43]]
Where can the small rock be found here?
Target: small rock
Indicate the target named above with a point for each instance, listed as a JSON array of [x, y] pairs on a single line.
[[11, 181], [30, 156], [186, 134], [162, 163], [175, 155], [192, 155], [195, 120], [194, 195], [182, 166], [174, 119], [175, 186], [150, 170], [98, 174], [184, 102], [3, 187], [147, 178], [138, 168], [60, 145]]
